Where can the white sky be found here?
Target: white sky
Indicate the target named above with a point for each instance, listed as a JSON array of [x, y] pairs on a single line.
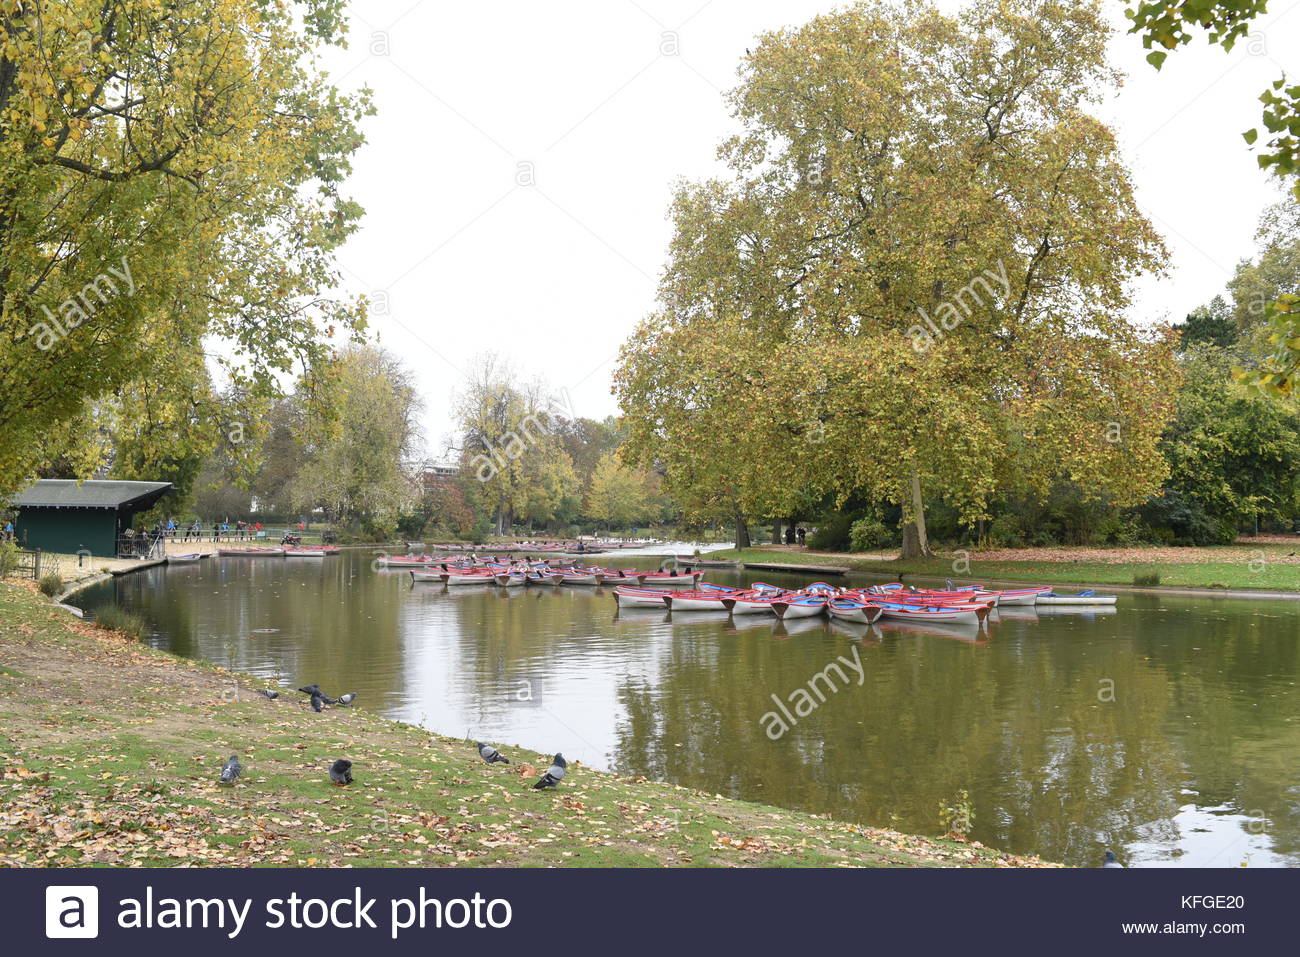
[[555, 275]]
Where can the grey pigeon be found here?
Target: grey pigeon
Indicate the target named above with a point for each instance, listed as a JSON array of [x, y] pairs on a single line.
[[554, 776], [489, 754], [316, 700], [270, 693], [1111, 860], [231, 770], [341, 772], [348, 698], [310, 689]]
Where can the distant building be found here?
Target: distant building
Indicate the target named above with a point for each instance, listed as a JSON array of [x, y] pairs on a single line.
[[63, 515], [429, 475]]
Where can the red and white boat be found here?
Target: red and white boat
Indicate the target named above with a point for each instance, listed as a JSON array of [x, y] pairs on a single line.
[[468, 578], [629, 596], [750, 604], [251, 552], [969, 612], [695, 600], [427, 576], [802, 606], [510, 579], [669, 579], [851, 609]]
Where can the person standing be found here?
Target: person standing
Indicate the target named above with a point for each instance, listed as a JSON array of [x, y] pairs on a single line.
[[801, 533]]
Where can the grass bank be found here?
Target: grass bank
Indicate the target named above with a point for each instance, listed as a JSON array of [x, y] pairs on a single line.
[[1264, 566], [110, 752]]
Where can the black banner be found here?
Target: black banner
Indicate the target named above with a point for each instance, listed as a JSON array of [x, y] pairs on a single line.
[[504, 911]]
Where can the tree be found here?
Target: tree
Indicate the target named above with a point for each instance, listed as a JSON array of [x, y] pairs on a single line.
[[913, 283], [510, 443], [1212, 323], [169, 175], [616, 495], [1173, 23], [359, 431], [1233, 456]]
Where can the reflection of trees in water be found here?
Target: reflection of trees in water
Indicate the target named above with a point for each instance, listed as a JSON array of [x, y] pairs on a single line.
[[1050, 768]]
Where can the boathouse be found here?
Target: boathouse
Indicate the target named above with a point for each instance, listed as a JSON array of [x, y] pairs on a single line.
[[66, 516]]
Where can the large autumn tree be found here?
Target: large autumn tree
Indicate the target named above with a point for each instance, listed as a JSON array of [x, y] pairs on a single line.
[[914, 281], [169, 182]]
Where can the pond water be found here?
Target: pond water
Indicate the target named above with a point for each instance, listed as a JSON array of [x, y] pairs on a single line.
[[1168, 729]]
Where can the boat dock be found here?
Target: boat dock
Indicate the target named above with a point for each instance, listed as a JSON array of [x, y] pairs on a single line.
[[797, 569]]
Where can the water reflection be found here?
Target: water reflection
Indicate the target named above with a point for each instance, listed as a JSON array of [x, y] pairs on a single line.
[[1166, 727]]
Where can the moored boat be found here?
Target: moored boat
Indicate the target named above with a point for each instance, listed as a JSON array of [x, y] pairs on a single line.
[[628, 596], [1088, 597], [804, 606], [850, 609], [251, 552], [184, 559], [890, 609], [695, 600]]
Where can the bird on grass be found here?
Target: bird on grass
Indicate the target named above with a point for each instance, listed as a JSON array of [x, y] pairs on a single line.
[[341, 772], [316, 700], [231, 770], [554, 776], [310, 689], [489, 754], [270, 693], [1110, 860], [348, 698]]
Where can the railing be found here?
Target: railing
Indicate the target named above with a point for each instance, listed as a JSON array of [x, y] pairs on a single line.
[[143, 547], [36, 564]]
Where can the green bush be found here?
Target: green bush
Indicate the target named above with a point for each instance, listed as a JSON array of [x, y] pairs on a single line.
[[869, 533], [117, 618], [8, 559], [1004, 532], [1146, 578], [51, 584]]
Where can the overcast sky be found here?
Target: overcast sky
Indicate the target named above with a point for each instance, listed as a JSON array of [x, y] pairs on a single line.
[[517, 175]]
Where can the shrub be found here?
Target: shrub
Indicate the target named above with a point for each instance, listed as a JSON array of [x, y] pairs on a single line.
[[957, 819], [117, 618], [1146, 578], [8, 559], [51, 584], [869, 533], [1004, 531]]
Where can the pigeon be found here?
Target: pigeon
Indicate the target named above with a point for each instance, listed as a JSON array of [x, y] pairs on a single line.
[[270, 693], [554, 775], [1111, 860], [341, 772], [489, 754], [231, 770], [316, 700], [310, 689], [348, 698]]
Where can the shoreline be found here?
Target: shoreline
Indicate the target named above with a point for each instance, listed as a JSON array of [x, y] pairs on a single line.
[[1265, 572], [116, 745]]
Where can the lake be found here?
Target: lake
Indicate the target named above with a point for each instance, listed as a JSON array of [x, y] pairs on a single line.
[[1168, 729]]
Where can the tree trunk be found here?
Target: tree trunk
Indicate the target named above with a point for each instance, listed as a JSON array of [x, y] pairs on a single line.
[[742, 532], [916, 544], [776, 531]]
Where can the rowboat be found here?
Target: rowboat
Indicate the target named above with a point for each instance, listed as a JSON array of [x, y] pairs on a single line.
[[509, 579], [1023, 596], [670, 579], [749, 605], [541, 578], [805, 606], [184, 559], [251, 552], [821, 588], [850, 609], [579, 578], [303, 553], [406, 561], [627, 596], [426, 576], [1088, 597], [468, 578], [891, 609], [695, 601]]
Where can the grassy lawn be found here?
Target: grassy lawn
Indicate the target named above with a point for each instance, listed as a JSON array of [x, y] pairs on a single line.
[[1266, 566], [110, 753]]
